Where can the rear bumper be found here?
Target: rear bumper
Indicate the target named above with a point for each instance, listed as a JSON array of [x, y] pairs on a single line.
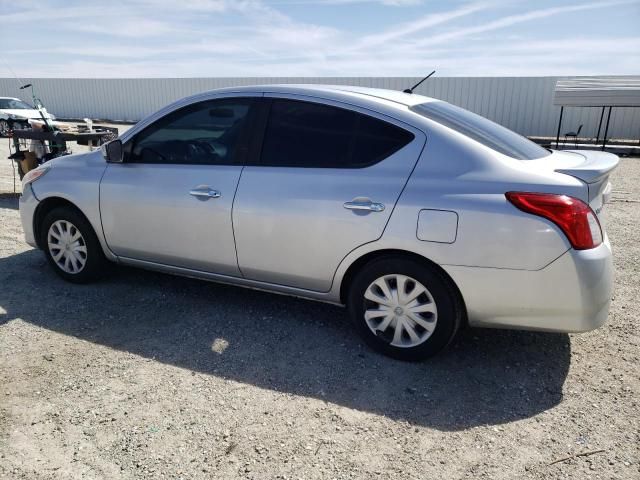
[[28, 205], [572, 294]]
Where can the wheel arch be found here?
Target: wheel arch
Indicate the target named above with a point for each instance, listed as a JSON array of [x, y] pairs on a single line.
[[47, 205], [361, 261]]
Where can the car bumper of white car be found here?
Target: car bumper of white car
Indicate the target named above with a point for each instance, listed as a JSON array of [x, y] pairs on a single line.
[[572, 294], [28, 205]]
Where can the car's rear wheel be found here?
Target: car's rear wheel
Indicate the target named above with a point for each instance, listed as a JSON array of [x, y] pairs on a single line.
[[404, 308], [71, 245]]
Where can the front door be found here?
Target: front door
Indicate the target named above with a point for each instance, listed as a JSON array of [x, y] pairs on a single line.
[[170, 201], [327, 181]]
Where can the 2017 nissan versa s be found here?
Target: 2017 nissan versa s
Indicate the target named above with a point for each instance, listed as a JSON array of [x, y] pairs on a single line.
[[415, 214]]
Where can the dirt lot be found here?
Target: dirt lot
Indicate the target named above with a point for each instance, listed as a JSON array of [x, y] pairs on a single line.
[[150, 376]]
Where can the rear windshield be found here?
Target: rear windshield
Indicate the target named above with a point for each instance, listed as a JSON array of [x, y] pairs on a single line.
[[481, 130]]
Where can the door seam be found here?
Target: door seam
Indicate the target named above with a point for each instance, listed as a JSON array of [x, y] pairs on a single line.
[[233, 227], [415, 165]]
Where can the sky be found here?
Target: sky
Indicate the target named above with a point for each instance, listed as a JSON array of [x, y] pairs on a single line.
[[276, 38]]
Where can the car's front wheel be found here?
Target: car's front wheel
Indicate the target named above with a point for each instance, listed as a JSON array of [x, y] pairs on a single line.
[[404, 308], [71, 245], [5, 128]]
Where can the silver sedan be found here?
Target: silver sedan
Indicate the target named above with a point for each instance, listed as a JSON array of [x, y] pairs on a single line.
[[419, 216]]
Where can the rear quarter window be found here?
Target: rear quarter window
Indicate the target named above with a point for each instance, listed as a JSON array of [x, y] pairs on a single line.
[[483, 131]]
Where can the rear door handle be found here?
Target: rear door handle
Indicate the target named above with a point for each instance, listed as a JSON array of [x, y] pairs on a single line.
[[204, 192], [366, 205]]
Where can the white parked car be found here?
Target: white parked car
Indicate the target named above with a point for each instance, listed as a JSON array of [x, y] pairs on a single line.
[[16, 113]]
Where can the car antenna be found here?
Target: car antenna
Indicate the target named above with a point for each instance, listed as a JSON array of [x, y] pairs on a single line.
[[410, 90], [38, 104]]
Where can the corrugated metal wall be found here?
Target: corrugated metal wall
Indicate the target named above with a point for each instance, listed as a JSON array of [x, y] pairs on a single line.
[[524, 104]]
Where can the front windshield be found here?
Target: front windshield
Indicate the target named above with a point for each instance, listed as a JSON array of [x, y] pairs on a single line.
[[14, 104], [481, 130]]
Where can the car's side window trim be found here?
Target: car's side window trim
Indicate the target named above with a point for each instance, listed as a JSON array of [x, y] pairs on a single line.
[[242, 149], [258, 140], [332, 102]]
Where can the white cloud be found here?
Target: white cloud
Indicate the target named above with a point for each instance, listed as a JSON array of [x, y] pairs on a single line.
[[196, 5], [389, 3], [254, 38], [401, 3], [523, 58], [511, 20], [124, 27], [420, 24]]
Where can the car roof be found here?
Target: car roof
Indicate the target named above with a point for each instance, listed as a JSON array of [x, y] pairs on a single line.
[[318, 90], [9, 98], [387, 102]]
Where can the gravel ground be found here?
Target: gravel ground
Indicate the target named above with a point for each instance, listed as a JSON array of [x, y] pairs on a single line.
[[151, 376]]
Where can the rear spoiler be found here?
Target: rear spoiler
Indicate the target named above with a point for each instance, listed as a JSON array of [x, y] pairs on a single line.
[[596, 166]]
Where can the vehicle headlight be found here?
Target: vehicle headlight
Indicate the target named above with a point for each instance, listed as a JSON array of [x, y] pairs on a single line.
[[35, 174]]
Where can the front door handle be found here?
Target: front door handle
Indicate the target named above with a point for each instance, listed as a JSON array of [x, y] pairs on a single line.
[[366, 205], [204, 192]]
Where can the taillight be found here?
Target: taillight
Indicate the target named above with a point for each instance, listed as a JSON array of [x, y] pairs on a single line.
[[574, 217]]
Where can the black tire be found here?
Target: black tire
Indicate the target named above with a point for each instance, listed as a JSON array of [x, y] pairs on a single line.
[[450, 309], [5, 127], [95, 263]]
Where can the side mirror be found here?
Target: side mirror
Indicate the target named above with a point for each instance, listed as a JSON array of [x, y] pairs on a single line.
[[112, 151]]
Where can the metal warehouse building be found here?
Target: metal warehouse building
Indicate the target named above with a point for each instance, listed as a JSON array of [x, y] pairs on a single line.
[[523, 104]]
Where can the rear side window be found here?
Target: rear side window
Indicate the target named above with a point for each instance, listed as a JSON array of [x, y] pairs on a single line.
[[481, 130], [312, 135]]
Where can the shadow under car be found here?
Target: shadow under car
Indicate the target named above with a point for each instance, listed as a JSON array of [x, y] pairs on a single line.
[[291, 345]]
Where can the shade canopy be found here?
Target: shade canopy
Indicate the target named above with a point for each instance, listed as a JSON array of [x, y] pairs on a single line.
[[598, 92]]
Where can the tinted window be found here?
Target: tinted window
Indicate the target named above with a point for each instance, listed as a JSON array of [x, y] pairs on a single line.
[[14, 104], [377, 140], [204, 133], [481, 130], [303, 134]]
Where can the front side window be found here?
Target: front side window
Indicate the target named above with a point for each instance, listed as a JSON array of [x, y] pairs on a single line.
[[14, 104], [208, 133], [481, 130], [313, 135]]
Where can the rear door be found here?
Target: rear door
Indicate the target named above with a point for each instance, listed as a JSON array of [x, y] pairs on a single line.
[[170, 201], [327, 180]]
